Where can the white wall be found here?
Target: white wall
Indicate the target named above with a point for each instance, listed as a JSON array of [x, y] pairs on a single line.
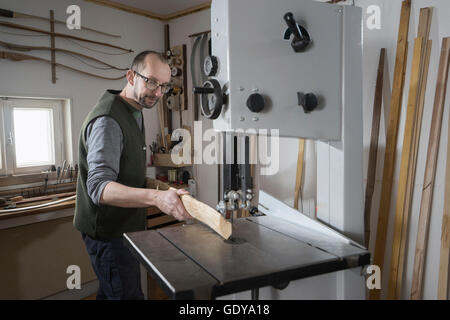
[[33, 79], [180, 29]]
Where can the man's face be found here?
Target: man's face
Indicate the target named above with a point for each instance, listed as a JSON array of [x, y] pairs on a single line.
[[156, 71]]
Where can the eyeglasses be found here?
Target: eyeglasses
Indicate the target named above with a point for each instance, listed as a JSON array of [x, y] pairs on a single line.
[[153, 85]]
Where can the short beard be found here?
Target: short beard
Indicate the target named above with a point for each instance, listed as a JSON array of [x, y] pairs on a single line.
[[141, 100]]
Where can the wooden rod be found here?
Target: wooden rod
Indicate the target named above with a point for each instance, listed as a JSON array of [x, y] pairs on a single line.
[[445, 235], [298, 177], [391, 140], [52, 45], [60, 35], [373, 151], [402, 216], [430, 172]]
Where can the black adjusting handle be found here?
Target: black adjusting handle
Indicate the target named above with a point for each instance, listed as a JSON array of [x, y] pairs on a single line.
[[202, 90], [301, 36]]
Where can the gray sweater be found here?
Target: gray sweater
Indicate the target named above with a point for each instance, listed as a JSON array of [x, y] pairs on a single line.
[[104, 141]]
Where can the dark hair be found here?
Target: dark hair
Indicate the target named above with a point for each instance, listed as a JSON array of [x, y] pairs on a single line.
[[139, 61]]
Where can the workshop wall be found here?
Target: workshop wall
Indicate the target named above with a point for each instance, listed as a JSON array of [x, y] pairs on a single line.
[[180, 29], [33, 79], [386, 37]]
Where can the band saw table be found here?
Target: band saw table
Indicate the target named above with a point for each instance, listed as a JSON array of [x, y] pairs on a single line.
[[193, 262]]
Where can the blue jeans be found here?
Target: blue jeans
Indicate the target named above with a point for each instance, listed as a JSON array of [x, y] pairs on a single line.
[[117, 270]]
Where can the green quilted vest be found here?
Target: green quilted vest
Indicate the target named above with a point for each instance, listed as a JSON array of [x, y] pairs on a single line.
[[106, 222]]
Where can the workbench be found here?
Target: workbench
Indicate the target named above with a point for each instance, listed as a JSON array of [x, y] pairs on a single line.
[[192, 262]]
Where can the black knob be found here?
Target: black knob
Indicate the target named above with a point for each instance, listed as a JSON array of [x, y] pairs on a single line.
[[212, 98], [307, 101], [255, 102]]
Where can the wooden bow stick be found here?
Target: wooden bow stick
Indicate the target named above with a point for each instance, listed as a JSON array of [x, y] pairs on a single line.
[[60, 35], [18, 47], [21, 57]]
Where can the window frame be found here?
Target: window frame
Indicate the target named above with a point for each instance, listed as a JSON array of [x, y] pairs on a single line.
[[7, 106]]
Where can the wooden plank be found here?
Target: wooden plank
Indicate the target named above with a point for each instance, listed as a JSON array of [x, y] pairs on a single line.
[[410, 185], [199, 210], [151, 14], [372, 165], [298, 178], [181, 13], [154, 222], [207, 215], [444, 259], [127, 8], [402, 216], [405, 162], [153, 210], [430, 172], [391, 140]]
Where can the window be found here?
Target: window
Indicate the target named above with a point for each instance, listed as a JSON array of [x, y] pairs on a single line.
[[33, 135]]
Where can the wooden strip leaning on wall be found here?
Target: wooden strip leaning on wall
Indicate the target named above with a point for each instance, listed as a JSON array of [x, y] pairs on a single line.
[[405, 161], [404, 198], [430, 172], [391, 140], [298, 177], [372, 164], [445, 236]]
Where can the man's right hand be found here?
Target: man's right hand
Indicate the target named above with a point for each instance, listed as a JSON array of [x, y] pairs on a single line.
[[170, 203]]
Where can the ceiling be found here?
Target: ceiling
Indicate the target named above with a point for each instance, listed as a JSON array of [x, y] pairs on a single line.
[[157, 9]]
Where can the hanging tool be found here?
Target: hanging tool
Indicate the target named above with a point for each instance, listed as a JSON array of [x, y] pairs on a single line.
[[60, 35], [18, 47], [21, 57], [14, 14]]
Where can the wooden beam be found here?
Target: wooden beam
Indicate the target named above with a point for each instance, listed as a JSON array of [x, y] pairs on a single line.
[[403, 209], [187, 11], [405, 162], [126, 8], [298, 178], [150, 14], [430, 172], [391, 140], [372, 164], [444, 259]]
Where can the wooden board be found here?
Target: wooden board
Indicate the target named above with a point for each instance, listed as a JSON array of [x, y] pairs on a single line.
[[403, 209], [207, 215], [445, 233], [298, 178], [391, 140], [430, 172], [405, 162], [199, 210], [372, 165]]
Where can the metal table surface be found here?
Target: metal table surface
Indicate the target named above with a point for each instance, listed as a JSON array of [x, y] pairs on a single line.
[[192, 261]]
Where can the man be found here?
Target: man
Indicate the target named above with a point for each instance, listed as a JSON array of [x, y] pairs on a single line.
[[111, 193]]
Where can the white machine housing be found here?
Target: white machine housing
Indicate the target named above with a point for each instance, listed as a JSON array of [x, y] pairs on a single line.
[[253, 57]]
